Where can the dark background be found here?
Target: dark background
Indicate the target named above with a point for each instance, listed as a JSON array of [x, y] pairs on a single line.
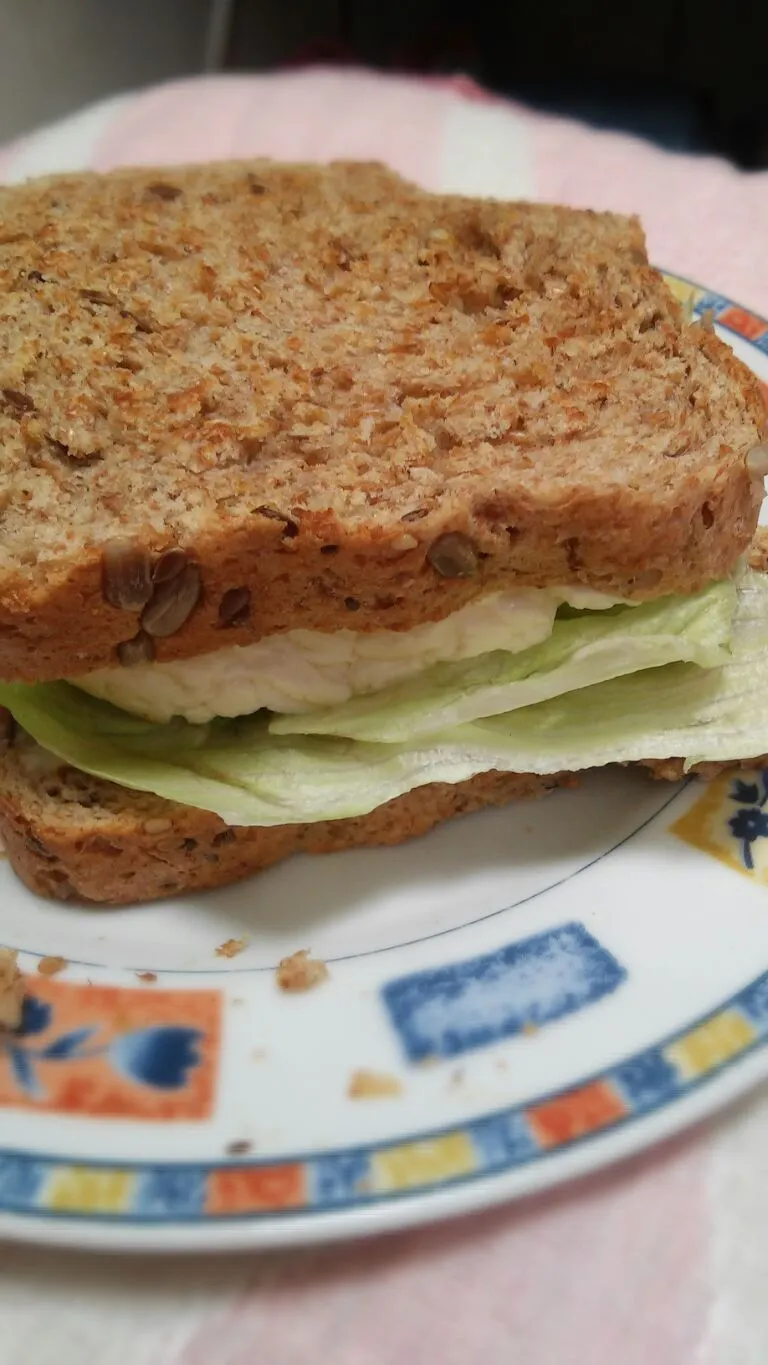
[[690, 74]]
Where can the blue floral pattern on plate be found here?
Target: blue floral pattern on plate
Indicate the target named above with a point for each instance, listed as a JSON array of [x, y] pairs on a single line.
[[160, 1056], [750, 822]]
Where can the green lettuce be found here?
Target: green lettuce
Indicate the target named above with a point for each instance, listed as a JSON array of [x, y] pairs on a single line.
[[251, 776], [583, 649]]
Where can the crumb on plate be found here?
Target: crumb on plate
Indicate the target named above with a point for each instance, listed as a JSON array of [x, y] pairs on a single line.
[[231, 947], [50, 966], [373, 1085], [147, 977], [300, 972], [11, 989], [239, 1147]]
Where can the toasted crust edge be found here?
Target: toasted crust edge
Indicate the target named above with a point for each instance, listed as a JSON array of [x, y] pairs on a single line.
[[649, 550], [630, 547], [152, 849], [143, 848]]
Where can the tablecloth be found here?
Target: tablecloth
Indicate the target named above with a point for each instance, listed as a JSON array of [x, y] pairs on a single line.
[[662, 1261]]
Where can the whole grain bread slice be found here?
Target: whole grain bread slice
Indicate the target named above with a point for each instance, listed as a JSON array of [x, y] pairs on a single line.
[[70, 836], [243, 398]]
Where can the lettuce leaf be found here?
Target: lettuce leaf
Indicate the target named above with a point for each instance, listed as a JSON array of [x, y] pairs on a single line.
[[250, 776], [234, 768], [584, 648]]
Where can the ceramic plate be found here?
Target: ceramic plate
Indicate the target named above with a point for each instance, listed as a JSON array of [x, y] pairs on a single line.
[[522, 996]]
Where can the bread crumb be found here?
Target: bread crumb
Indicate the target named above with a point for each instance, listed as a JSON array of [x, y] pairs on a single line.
[[232, 947], [300, 972], [239, 1147], [529, 1028], [50, 966], [147, 977], [11, 989], [373, 1085]]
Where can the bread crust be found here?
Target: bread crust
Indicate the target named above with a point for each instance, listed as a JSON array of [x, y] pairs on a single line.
[[70, 836], [304, 377], [97, 842]]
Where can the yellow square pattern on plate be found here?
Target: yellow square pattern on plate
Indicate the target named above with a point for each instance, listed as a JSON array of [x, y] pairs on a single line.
[[685, 293], [711, 1043], [422, 1163], [81, 1189]]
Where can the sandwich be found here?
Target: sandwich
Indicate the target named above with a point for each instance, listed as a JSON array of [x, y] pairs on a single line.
[[332, 508]]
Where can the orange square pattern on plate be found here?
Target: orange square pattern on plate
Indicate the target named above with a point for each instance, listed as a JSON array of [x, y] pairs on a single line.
[[114, 1053], [743, 323], [246, 1190], [581, 1111]]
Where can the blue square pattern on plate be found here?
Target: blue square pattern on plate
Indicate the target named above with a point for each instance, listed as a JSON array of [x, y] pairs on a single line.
[[503, 1140], [753, 999], [647, 1080], [712, 303], [339, 1177], [172, 1191], [451, 1010], [22, 1181]]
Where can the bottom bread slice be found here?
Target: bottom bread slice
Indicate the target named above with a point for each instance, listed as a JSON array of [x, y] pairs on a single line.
[[69, 836], [73, 837]]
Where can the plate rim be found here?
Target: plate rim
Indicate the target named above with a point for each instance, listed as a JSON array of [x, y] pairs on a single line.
[[732, 1075]]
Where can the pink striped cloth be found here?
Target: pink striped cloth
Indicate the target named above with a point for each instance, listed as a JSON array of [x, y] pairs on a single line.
[[663, 1262]]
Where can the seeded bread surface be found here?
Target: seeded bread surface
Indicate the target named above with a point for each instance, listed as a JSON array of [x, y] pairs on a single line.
[[245, 398], [70, 836]]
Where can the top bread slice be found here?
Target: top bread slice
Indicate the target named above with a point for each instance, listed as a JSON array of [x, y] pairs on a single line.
[[243, 398]]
